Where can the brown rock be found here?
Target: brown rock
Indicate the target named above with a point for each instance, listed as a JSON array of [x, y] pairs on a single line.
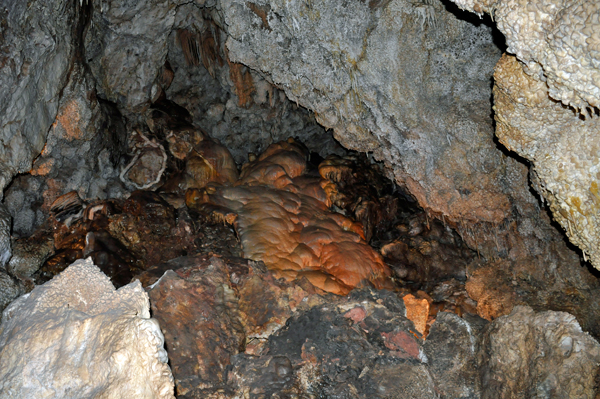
[[211, 309], [528, 354], [199, 317], [494, 297]]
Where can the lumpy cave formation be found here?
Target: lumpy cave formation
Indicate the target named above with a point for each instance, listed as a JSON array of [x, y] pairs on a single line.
[[299, 199]]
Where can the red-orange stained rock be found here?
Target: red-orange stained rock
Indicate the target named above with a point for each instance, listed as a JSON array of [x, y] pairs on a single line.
[[401, 344], [357, 314], [200, 323], [417, 311]]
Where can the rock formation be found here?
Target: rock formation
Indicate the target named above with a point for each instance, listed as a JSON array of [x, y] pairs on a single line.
[[546, 99], [234, 330], [528, 354], [76, 336], [106, 97], [282, 218], [36, 48], [389, 78]]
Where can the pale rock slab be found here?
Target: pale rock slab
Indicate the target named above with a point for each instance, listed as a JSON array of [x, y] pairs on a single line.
[[78, 337], [537, 355]]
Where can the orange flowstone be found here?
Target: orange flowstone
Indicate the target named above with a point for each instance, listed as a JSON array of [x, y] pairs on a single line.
[[283, 219]]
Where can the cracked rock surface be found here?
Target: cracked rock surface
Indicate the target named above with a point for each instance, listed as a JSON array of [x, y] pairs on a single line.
[[36, 48]]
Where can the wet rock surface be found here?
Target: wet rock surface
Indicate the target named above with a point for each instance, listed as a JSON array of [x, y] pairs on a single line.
[[280, 214]]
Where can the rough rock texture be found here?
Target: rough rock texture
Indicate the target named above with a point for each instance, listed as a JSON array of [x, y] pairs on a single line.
[[81, 153], [451, 348], [9, 288], [426, 251], [557, 41], [212, 309], [410, 82], [201, 323], [233, 331], [125, 47], [123, 237], [562, 147], [528, 354], [558, 51], [37, 44], [498, 286], [5, 228], [406, 80], [231, 102], [77, 336]]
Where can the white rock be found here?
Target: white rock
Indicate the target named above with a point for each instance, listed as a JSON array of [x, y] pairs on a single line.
[[78, 337]]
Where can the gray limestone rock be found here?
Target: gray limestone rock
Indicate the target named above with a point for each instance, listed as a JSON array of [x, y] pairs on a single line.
[[78, 337], [126, 48], [451, 348], [82, 153], [37, 42], [537, 355], [9, 290], [5, 225], [231, 102], [406, 80]]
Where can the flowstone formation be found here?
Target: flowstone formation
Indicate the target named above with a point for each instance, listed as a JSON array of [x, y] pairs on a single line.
[[282, 218], [76, 336], [546, 99]]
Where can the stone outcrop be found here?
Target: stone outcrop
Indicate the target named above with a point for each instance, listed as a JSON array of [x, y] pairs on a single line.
[[76, 336], [546, 99], [451, 348], [528, 354], [81, 153], [9, 288], [557, 42], [232, 330], [125, 47], [36, 53]]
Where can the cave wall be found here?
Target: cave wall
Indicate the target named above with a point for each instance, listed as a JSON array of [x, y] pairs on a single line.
[[409, 82], [547, 94], [37, 43], [230, 101]]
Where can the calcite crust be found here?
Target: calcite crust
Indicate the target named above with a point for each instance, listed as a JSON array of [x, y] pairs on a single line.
[[76, 336], [546, 99]]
